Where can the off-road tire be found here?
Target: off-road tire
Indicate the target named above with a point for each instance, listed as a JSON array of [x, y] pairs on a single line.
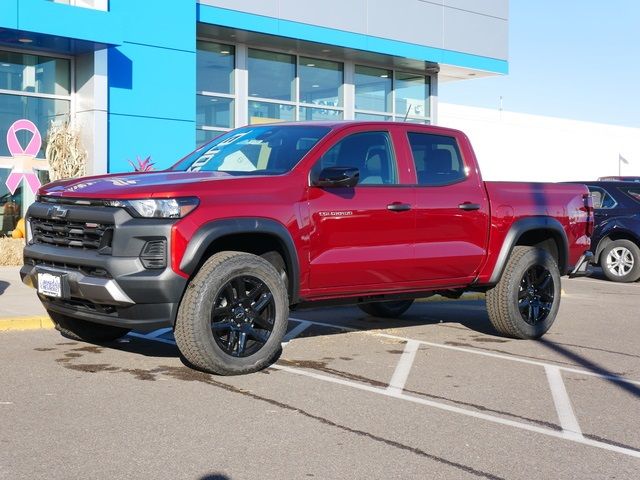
[[503, 299], [193, 331], [85, 331], [626, 245], [390, 309]]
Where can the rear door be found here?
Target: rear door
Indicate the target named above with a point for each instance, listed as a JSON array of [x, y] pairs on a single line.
[[452, 209], [362, 235]]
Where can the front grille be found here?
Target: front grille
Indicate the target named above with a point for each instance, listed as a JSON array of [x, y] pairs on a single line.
[[73, 234], [86, 270]]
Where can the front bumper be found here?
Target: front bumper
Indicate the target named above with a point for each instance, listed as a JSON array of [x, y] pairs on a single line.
[[583, 267], [108, 285]]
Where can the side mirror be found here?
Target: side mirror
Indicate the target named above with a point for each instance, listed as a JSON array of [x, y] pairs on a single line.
[[338, 177]]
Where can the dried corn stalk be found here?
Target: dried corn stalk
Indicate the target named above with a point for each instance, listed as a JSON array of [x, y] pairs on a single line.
[[66, 157]]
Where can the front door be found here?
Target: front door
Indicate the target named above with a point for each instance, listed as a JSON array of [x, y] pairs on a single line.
[[361, 235]]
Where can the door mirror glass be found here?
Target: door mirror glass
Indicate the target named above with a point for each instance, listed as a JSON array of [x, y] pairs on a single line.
[[337, 177]]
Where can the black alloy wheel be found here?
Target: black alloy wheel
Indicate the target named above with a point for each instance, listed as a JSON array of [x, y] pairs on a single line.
[[243, 316], [525, 301], [536, 294], [233, 315]]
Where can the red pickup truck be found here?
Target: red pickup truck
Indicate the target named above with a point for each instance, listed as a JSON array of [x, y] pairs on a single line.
[[268, 218]]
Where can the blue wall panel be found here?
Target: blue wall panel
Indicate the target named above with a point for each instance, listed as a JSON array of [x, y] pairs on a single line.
[[67, 21], [162, 23], [166, 141], [152, 83], [9, 14]]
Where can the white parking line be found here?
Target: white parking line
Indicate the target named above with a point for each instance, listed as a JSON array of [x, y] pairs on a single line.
[[570, 428], [304, 324], [157, 333], [151, 336], [511, 358], [462, 411], [567, 417], [606, 283], [401, 373]]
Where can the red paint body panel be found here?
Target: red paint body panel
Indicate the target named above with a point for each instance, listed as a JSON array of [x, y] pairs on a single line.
[[348, 243], [513, 201]]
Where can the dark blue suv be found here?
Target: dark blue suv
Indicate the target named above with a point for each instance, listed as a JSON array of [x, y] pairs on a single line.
[[616, 239]]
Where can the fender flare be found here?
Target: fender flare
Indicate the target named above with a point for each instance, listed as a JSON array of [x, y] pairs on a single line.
[[525, 225], [212, 231]]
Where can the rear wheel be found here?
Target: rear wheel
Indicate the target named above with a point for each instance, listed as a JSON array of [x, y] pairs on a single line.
[[392, 309], [233, 315], [620, 261], [85, 331], [525, 302]]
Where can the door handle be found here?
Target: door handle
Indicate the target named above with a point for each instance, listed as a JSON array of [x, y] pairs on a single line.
[[469, 206], [398, 207]]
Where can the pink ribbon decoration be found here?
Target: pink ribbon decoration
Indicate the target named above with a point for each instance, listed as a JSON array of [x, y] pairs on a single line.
[[16, 150]]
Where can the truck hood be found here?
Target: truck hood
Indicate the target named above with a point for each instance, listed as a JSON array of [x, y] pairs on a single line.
[[131, 185]]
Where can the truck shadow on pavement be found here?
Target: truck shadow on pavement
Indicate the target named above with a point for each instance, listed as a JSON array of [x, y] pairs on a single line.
[[466, 316], [3, 286]]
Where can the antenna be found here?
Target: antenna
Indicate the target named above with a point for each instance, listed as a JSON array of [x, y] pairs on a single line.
[[407, 114]]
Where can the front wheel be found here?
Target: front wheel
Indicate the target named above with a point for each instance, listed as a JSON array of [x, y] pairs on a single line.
[[620, 261], [525, 302], [233, 315], [390, 309]]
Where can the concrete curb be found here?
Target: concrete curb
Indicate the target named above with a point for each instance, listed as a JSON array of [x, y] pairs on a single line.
[[25, 323]]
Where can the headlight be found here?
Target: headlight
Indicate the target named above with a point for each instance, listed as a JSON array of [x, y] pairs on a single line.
[[158, 207]]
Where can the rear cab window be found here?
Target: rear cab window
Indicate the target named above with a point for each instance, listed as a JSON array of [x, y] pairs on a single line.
[[437, 159]]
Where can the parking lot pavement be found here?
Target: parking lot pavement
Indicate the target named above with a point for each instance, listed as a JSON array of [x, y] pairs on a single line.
[[436, 394]]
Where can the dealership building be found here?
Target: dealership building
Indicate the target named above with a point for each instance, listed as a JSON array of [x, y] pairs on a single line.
[[154, 79]]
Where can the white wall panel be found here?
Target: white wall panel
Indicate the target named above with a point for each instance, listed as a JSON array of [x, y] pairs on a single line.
[[522, 147]]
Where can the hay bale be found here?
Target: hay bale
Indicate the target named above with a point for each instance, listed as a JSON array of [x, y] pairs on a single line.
[[11, 251]]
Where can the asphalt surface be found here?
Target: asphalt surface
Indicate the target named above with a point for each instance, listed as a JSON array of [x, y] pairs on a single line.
[[436, 394]]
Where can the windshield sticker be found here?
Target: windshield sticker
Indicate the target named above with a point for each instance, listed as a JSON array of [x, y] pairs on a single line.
[[209, 154], [238, 162]]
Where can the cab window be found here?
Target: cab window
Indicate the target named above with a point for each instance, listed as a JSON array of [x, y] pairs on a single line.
[[437, 159], [370, 152]]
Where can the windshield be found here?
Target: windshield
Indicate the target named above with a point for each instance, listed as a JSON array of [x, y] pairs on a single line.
[[263, 150]]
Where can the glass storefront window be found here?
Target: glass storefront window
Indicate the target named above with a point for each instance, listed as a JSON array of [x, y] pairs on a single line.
[[203, 136], [320, 82], [413, 120], [373, 89], [214, 111], [215, 67], [373, 117], [412, 95], [309, 113], [41, 111], [22, 72], [265, 112], [271, 75]]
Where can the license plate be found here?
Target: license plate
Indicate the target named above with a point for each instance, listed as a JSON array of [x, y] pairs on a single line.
[[50, 285]]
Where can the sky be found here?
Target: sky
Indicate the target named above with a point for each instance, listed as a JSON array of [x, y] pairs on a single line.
[[577, 59]]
